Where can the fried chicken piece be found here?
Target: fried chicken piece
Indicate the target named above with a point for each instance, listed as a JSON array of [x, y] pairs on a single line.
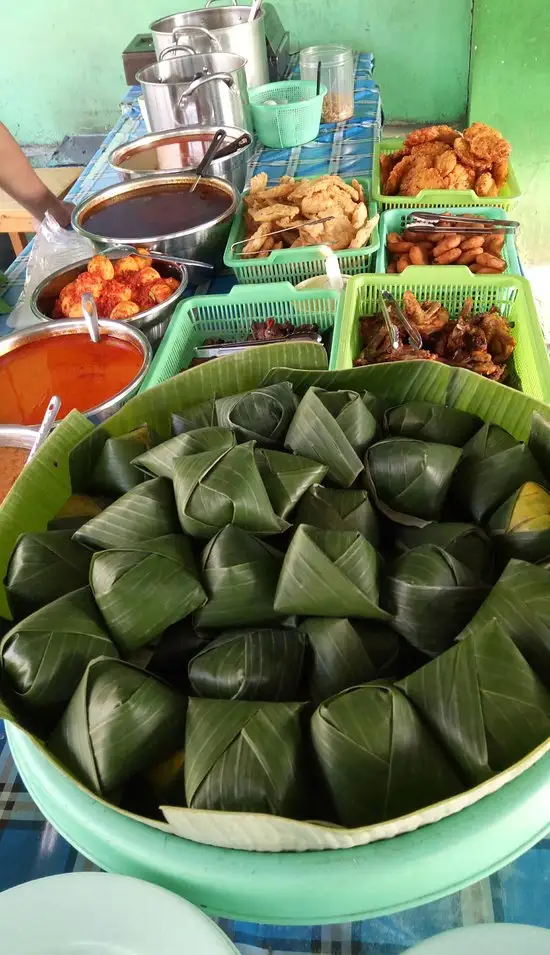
[[282, 191], [429, 151], [386, 166], [128, 263], [88, 282], [360, 216], [147, 275], [460, 178], [466, 157], [500, 342], [500, 173], [446, 162], [328, 199], [337, 233], [102, 266], [418, 179], [124, 310], [430, 317], [485, 185], [257, 239], [364, 233], [159, 291], [487, 143], [430, 133]]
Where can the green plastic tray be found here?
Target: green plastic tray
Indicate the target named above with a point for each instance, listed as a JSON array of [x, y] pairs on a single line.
[[439, 198], [299, 888], [230, 316], [295, 265], [394, 220], [450, 285]]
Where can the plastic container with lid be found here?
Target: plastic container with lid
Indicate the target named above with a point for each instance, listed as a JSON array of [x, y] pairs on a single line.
[[336, 74]]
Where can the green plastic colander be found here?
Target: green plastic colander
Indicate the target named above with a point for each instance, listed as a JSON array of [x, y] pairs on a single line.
[[287, 114]]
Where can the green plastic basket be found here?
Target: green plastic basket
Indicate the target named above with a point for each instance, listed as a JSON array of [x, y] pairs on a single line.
[[395, 220], [230, 317], [450, 285], [288, 124], [296, 265], [439, 198]]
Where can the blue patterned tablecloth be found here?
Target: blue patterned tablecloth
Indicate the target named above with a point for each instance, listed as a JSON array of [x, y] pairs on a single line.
[[29, 846]]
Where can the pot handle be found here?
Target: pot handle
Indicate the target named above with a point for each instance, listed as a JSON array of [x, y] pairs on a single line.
[[202, 31], [179, 48], [210, 2], [196, 84]]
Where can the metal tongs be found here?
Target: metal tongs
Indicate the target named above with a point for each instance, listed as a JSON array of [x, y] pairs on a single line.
[[230, 348], [469, 224], [387, 301], [236, 246]]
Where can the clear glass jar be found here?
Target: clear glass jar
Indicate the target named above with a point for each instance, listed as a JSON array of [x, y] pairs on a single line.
[[336, 74]]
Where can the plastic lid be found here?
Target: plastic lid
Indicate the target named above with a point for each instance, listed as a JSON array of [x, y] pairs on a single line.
[[111, 914]]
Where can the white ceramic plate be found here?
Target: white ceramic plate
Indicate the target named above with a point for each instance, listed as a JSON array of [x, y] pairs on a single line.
[[487, 940], [86, 913]]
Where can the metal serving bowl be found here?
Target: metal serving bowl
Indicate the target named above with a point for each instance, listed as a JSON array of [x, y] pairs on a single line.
[[119, 330], [181, 150], [153, 322], [205, 242]]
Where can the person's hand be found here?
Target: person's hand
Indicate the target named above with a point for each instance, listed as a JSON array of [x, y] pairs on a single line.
[[61, 211]]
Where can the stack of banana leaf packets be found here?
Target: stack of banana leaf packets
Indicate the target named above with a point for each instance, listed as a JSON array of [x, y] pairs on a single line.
[[311, 601]]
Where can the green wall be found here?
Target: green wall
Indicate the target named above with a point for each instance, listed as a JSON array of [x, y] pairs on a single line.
[[61, 72], [510, 89]]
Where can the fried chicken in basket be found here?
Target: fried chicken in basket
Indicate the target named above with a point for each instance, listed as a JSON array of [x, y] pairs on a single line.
[[439, 157], [480, 342]]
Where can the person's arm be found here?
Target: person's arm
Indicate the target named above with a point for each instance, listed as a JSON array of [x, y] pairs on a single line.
[[20, 181]]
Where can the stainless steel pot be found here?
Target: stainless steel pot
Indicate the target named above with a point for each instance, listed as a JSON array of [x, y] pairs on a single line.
[[205, 242], [226, 26], [181, 151], [205, 90], [153, 322], [120, 330]]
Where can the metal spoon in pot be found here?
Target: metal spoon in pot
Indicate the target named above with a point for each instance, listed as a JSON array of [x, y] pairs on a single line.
[[90, 316], [209, 155], [48, 422]]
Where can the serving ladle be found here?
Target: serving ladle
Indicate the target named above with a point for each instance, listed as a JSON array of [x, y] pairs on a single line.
[[89, 311], [217, 140]]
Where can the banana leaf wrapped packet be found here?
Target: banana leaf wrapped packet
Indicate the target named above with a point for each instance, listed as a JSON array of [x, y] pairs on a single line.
[[493, 466], [262, 415], [121, 721], [379, 759], [261, 664], [343, 652], [169, 658], [539, 441], [521, 526], [143, 588], [244, 756], [240, 574], [338, 510], [160, 461], [345, 563], [202, 415], [334, 428], [103, 464], [483, 702], [432, 596], [220, 487], [75, 512], [409, 479], [44, 656], [145, 512], [287, 477], [520, 604], [429, 422], [466, 542], [43, 567]]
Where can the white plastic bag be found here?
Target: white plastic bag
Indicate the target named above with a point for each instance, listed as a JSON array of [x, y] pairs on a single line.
[[53, 248]]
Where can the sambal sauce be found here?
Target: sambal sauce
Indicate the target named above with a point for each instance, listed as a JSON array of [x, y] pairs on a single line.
[[83, 374]]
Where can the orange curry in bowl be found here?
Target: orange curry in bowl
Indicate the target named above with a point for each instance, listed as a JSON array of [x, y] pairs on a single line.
[[12, 462]]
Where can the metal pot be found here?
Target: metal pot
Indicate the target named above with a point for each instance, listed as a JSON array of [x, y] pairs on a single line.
[[153, 322], [227, 26], [205, 242], [120, 330], [181, 151], [202, 90]]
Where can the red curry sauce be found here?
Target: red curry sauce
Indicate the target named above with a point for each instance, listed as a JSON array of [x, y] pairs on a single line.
[[12, 462], [82, 373]]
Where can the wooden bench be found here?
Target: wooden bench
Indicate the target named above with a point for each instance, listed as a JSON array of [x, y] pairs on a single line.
[[16, 221]]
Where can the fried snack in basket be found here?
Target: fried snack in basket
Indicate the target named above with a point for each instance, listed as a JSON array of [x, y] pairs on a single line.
[[121, 289], [476, 251], [439, 157], [296, 206]]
